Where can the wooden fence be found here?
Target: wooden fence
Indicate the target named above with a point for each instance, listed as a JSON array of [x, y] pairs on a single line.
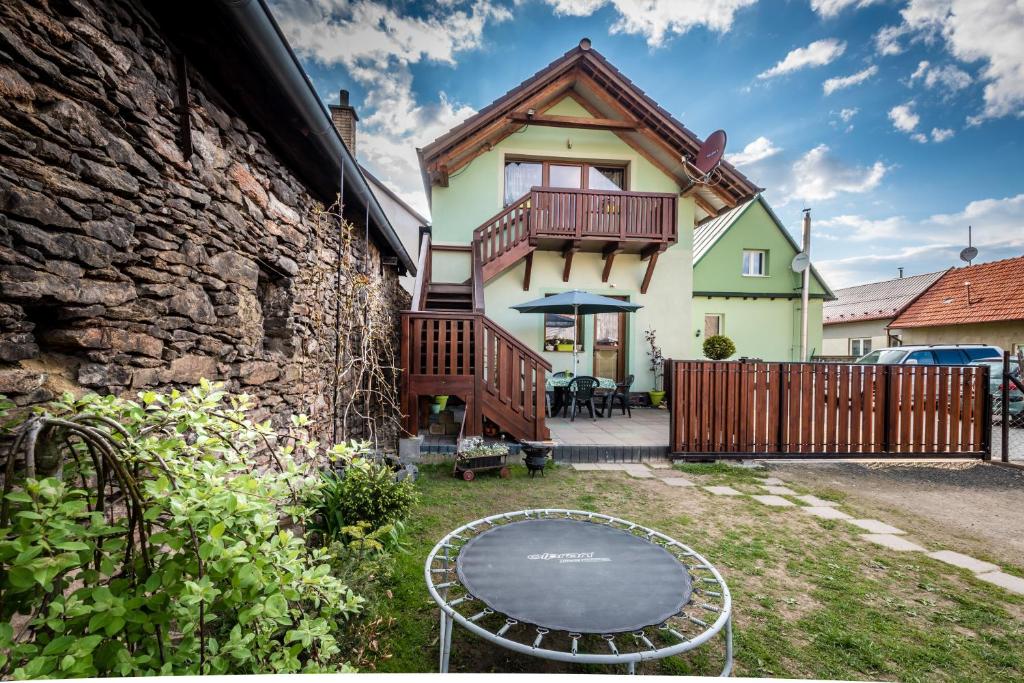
[[827, 409]]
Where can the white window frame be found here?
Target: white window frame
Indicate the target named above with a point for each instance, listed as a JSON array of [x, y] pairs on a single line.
[[764, 262], [721, 322], [860, 344]]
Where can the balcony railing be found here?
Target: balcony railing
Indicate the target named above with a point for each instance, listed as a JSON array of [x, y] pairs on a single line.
[[601, 214]]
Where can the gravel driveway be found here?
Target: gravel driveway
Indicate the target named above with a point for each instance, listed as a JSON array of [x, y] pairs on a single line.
[[970, 507]]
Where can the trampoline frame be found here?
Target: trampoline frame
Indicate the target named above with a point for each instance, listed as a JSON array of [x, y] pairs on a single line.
[[710, 594]]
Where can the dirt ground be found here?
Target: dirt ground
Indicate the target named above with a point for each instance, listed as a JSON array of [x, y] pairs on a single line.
[[968, 507]]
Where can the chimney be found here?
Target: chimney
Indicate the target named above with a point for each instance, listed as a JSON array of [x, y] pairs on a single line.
[[344, 117], [901, 272]]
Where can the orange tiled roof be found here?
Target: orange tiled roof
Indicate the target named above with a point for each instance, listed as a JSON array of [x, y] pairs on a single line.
[[996, 293]]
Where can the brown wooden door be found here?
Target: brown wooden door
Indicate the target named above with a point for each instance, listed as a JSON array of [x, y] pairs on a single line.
[[610, 344]]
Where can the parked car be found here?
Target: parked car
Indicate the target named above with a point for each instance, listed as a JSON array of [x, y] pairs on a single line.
[[995, 388], [934, 354]]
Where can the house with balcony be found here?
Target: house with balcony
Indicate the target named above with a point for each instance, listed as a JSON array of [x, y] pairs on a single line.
[[574, 179]]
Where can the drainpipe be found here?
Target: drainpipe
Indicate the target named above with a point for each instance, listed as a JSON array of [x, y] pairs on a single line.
[[256, 25]]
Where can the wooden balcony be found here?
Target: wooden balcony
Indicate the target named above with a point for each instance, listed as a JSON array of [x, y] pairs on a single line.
[[571, 221]]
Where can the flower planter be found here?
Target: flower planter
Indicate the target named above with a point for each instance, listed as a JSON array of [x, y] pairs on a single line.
[[564, 347], [656, 398]]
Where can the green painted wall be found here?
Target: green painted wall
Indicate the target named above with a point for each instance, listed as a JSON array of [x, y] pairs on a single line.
[[474, 194], [760, 327]]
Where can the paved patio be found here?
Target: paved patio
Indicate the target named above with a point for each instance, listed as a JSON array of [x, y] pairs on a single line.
[[647, 427]]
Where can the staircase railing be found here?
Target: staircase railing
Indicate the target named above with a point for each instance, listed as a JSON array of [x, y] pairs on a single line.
[[503, 231], [512, 379]]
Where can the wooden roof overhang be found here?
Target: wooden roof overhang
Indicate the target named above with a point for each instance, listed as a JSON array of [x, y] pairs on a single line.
[[616, 104]]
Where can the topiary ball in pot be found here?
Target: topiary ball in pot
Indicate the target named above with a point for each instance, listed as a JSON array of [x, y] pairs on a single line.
[[719, 347]]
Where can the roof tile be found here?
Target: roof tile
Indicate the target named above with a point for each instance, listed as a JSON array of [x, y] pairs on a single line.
[[987, 292], [876, 300]]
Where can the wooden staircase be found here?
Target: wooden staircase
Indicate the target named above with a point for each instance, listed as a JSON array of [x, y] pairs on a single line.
[[450, 347]]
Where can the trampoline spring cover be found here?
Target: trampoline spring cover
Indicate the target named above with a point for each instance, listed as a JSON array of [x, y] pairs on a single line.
[[574, 575]]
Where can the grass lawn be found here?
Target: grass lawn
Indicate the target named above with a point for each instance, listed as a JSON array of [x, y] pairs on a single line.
[[810, 599]]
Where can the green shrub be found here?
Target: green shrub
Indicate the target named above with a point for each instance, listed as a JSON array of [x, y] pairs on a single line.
[[192, 566], [719, 347], [366, 491]]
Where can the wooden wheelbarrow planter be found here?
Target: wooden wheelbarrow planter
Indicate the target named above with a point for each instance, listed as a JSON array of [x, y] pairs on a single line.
[[467, 467]]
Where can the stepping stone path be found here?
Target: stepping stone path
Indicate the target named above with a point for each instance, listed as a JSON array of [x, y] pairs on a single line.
[[893, 542], [879, 533], [875, 527], [826, 513], [774, 501], [963, 561], [780, 490], [814, 501], [722, 490]]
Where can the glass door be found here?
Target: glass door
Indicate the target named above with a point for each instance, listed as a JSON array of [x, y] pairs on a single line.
[[610, 345]]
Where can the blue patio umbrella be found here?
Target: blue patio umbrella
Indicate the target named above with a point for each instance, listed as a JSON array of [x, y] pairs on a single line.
[[577, 303]]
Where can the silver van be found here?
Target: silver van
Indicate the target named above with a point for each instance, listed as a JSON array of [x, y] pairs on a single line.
[[933, 354]]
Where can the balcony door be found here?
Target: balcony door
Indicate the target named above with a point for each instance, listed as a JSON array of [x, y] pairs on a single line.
[[610, 344]]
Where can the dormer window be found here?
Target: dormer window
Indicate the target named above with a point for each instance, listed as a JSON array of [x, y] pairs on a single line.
[[755, 263]]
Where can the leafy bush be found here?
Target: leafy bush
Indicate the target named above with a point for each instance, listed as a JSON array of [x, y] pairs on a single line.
[[366, 491], [157, 537], [719, 347]]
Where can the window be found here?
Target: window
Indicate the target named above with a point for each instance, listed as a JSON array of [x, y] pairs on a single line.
[[712, 324], [921, 358], [950, 357], [520, 176], [558, 330], [860, 346], [755, 262]]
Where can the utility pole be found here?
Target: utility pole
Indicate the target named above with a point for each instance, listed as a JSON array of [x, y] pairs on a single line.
[[805, 294]]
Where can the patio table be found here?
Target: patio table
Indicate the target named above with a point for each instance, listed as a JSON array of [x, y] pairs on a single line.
[[559, 385], [577, 586]]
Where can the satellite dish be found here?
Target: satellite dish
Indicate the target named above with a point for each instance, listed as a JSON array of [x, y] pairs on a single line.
[[800, 262], [969, 254], [710, 153]]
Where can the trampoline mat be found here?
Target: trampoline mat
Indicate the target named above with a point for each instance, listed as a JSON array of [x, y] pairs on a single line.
[[576, 576]]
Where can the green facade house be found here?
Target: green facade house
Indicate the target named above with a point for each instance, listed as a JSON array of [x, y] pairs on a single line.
[[571, 180], [744, 287]]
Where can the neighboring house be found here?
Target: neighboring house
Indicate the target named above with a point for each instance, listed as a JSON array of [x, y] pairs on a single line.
[[982, 304], [571, 180], [163, 169], [405, 220], [857, 320], [744, 286]]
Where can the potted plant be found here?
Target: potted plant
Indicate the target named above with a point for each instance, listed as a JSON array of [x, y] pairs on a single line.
[[564, 345], [657, 367], [719, 347]]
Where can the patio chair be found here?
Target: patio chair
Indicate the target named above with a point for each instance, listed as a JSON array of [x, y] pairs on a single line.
[[581, 393], [550, 406], [621, 394]]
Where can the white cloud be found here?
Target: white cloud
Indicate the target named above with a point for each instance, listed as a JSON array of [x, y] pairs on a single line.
[[941, 134], [658, 19], [377, 44], [818, 53], [904, 118], [830, 8], [919, 137], [989, 32], [840, 82], [937, 240], [949, 77], [818, 175], [847, 114], [759, 149], [841, 119]]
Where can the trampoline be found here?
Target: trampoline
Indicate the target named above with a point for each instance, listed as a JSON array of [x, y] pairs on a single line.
[[575, 586]]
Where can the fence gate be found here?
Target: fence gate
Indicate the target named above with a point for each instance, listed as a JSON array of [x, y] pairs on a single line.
[[740, 409]]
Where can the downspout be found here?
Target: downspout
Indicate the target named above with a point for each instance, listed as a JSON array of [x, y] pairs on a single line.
[[257, 27]]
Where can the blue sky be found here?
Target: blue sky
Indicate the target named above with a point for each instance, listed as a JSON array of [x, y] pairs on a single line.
[[898, 122]]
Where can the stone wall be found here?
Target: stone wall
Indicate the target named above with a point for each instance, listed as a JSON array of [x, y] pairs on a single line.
[[124, 265]]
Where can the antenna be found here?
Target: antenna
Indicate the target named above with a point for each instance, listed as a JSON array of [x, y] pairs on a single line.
[[708, 158], [970, 253]]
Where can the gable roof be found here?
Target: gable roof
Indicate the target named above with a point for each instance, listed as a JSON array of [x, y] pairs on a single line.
[[585, 75], [707, 235], [876, 300], [994, 295]]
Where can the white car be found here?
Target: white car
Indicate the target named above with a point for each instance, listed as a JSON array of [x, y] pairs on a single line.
[[934, 354]]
